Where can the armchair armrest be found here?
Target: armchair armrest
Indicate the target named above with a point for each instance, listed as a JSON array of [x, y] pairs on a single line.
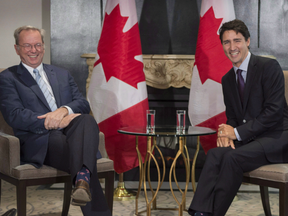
[[9, 153], [101, 147]]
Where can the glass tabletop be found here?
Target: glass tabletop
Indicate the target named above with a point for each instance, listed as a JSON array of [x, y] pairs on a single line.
[[167, 131]]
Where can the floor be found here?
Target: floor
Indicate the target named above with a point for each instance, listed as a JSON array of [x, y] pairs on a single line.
[[47, 201]]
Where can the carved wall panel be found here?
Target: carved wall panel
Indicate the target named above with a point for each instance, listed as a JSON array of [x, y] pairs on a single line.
[[164, 71], [161, 71]]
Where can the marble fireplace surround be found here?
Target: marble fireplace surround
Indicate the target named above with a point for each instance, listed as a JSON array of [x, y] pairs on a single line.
[[161, 71]]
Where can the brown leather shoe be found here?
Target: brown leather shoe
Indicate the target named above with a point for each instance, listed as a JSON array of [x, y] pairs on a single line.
[[81, 193]]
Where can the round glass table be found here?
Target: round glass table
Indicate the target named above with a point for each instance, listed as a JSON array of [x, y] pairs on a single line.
[[144, 167]]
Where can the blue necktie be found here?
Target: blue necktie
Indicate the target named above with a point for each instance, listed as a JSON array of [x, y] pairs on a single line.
[[241, 84], [43, 86]]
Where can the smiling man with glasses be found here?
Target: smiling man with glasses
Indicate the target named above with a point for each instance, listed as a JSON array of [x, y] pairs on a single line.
[[50, 116], [30, 46]]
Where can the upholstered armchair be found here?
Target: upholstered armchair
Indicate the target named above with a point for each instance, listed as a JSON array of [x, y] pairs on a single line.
[[26, 175]]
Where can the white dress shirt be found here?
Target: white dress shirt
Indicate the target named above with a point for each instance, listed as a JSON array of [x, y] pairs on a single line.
[[45, 78]]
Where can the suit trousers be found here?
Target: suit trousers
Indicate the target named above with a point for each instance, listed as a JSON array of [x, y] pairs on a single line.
[[222, 176], [71, 148]]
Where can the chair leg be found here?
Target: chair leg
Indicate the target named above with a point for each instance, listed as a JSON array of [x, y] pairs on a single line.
[[265, 200], [109, 189], [67, 198], [21, 198], [283, 199], [0, 190]]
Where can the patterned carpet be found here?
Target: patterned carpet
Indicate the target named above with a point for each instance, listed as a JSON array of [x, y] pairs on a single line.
[[46, 201]]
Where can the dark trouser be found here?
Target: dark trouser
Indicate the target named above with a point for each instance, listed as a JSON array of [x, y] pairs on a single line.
[[73, 147], [222, 176]]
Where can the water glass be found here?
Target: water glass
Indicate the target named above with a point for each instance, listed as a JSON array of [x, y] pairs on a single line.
[[180, 125], [150, 127]]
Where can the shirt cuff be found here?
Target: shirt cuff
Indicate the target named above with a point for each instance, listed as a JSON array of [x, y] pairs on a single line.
[[237, 135], [70, 111]]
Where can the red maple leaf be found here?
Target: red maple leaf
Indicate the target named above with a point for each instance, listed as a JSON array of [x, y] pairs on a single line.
[[210, 58], [117, 50]]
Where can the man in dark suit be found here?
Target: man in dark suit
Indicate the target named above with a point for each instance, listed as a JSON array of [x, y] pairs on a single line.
[[51, 118], [256, 131]]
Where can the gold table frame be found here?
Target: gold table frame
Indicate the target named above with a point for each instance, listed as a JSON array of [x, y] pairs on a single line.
[[145, 167]]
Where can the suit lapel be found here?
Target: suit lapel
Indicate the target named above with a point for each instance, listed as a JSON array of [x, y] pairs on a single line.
[[251, 72], [30, 82], [51, 74]]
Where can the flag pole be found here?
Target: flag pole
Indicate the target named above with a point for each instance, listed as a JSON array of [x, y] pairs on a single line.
[[121, 193]]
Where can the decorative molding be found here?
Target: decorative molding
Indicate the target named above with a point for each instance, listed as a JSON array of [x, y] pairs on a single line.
[[164, 71], [90, 60], [161, 71]]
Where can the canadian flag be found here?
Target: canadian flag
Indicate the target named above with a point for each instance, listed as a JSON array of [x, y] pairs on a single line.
[[117, 91], [206, 106]]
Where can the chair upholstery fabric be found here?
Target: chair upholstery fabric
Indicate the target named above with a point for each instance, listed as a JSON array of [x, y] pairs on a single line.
[[9, 151], [104, 165], [272, 172], [28, 171]]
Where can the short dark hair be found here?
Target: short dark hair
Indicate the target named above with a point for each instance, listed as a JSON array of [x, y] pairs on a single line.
[[235, 25]]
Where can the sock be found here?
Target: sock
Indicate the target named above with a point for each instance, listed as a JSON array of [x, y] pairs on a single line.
[[201, 214], [83, 174]]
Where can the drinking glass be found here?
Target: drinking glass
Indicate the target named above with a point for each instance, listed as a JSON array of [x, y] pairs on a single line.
[[180, 119], [150, 127]]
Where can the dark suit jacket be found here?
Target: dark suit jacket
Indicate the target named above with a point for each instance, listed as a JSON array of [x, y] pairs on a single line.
[[264, 115], [21, 101]]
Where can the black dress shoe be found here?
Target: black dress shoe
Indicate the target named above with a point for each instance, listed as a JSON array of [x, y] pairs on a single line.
[[11, 212], [81, 193]]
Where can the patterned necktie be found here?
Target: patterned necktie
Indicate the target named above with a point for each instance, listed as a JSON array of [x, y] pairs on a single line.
[[44, 89], [241, 84]]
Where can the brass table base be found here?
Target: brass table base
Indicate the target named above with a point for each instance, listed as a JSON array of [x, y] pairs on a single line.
[[144, 171], [122, 194], [144, 165]]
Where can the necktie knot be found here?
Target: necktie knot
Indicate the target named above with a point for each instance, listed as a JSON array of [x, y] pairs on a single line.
[[36, 72], [238, 71]]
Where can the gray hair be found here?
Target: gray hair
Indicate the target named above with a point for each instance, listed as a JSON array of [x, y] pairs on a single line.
[[27, 28]]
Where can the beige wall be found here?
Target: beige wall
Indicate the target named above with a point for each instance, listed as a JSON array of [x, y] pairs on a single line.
[[15, 13]]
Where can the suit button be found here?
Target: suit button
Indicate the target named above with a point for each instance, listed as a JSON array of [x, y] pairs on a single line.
[[244, 121]]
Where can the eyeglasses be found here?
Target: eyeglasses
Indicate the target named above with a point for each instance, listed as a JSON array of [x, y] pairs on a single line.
[[28, 47]]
